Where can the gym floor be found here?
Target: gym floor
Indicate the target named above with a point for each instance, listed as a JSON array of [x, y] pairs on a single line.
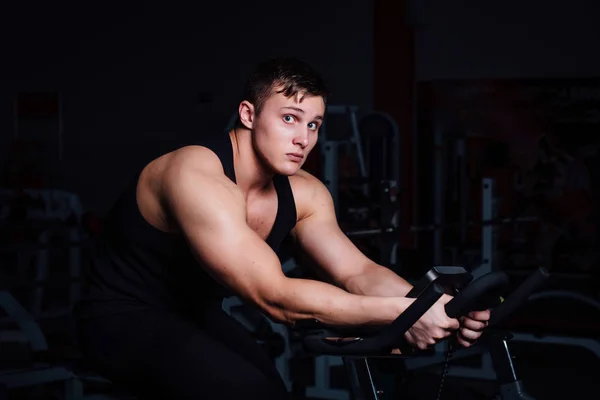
[[542, 383], [548, 372]]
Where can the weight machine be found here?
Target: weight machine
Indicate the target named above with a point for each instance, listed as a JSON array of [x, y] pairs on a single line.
[[486, 370], [51, 214], [38, 373], [373, 142], [489, 263], [252, 318]]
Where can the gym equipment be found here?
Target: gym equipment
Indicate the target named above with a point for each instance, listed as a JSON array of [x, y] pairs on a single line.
[[490, 262], [36, 373], [357, 345], [272, 335], [373, 140], [487, 223], [332, 144], [45, 365], [50, 214]]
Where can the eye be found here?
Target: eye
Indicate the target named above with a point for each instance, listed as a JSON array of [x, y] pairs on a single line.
[[289, 118], [313, 126]]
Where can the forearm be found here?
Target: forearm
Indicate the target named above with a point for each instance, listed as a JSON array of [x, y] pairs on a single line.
[[378, 281], [302, 299]]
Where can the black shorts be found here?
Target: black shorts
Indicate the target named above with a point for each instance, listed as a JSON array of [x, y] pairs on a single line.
[[163, 355]]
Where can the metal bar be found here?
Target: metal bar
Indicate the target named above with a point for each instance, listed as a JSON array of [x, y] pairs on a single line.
[[76, 255], [440, 227], [16, 116], [56, 284], [487, 231], [60, 128], [41, 274], [361, 380], [368, 232], [24, 320], [356, 137], [26, 378], [463, 196], [329, 149], [35, 247], [502, 361], [438, 190]]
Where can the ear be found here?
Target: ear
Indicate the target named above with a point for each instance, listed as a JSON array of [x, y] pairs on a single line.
[[246, 113]]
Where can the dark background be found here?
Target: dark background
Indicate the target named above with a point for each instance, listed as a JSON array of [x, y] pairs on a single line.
[[131, 73], [137, 79]]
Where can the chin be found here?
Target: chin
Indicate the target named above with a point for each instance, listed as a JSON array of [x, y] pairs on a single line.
[[288, 169]]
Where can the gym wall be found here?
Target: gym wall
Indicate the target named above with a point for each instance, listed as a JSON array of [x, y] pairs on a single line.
[[137, 81], [131, 76], [469, 39]]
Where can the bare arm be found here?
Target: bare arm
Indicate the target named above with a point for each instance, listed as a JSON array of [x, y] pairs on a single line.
[[376, 280], [211, 213], [337, 256], [320, 237]]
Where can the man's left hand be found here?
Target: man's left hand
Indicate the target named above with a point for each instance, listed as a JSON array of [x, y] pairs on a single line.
[[472, 326]]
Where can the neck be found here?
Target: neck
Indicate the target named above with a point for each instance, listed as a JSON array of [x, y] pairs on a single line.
[[251, 174]]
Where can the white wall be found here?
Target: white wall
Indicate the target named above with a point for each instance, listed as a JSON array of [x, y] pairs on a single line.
[[458, 39]]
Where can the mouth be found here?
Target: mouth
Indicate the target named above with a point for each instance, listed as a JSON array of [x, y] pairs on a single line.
[[296, 157]]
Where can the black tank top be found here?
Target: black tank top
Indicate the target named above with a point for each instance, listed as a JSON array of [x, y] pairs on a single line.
[[140, 267]]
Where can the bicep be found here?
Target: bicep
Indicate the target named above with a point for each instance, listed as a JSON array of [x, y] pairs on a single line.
[[332, 252], [236, 257], [212, 218]]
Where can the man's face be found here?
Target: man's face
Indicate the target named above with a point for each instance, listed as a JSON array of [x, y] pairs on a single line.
[[286, 130]]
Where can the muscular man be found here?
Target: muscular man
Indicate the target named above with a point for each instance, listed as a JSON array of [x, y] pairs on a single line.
[[206, 221]]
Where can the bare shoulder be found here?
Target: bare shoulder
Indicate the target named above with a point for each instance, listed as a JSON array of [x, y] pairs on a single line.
[[304, 181], [310, 194], [175, 181], [192, 159], [194, 170]]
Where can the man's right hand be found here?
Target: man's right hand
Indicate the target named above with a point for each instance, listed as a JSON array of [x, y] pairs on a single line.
[[433, 326]]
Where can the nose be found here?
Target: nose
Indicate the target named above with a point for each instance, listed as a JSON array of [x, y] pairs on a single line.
[[301, 138]]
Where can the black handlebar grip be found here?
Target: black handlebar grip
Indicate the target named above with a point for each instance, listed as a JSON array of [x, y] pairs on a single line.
[[482, 293], [519, 296], [448, 277]]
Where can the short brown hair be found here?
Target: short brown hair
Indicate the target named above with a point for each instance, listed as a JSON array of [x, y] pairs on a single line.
[[289, 74]]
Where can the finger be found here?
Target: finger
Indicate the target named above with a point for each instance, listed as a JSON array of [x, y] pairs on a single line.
[[463, 342], [469, 335], [445, 298], [441, 334], [452, 324], [480, 315], [422, 346], [474, 325]]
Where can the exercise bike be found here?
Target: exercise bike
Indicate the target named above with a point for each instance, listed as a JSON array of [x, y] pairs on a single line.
[[358, 346]]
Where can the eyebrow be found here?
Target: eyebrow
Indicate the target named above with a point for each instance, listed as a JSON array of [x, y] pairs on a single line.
[[301, 111]]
